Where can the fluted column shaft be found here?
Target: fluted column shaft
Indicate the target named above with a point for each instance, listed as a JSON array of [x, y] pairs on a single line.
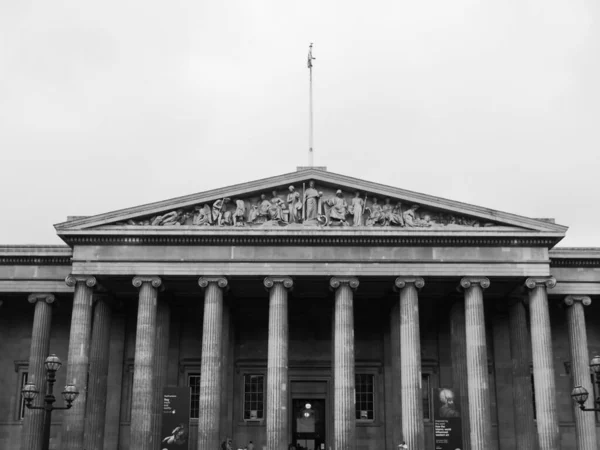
[[78, 360], [410, 381], [396, 351], [95, 413], [344, 416], [458, 346], [277, 363], [543, 363], [144, 383], [585, 426], [210, 369], [161, 364], [520, 352], [33, 422], [478, 385]]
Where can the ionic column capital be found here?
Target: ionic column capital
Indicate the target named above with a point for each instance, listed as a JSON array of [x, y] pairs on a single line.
[[570, 300], [221, 282], [137, 282], [548, 282], [72, 280], [43, 297], [401, 282], [287, 282], [336, 282], [467, 282]]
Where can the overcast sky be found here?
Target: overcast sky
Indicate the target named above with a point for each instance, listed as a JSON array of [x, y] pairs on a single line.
[[107, 105]]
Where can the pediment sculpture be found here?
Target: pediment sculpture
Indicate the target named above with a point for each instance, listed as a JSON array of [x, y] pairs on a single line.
[[328, 207]]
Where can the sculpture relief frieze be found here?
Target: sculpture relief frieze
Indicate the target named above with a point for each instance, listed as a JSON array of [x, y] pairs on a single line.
[[310, 206]]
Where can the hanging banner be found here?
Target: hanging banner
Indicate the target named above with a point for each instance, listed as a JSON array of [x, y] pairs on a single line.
[[175, 419], [447, 420]]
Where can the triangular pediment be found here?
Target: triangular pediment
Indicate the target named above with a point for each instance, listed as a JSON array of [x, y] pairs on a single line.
[[331, 202]]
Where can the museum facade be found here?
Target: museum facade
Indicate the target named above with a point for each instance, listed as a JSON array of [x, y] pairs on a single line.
[[311, 309]]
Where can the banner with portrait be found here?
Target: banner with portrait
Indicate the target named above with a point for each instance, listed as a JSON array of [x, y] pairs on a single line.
[[175, 419], [447, 420]]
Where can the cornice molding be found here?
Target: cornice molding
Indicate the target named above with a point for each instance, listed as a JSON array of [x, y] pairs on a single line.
[[574, 262], [35, 260], [312, 239]]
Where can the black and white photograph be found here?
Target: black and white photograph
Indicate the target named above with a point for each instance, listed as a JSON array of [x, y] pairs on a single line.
[[318, 225]]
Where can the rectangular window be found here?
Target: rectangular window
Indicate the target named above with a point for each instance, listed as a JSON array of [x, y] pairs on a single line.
[[193, 381], [365, 396], [22, 381], [426, 395], [254, 397]]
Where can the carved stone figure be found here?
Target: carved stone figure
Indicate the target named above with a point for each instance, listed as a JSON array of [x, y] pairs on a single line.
[[375, 213], [294, 205], [412, 220], [311, 200], [396, 217], [253, 214], [276, 209], [220, 215], [177, 217], [338, 208], [202, 215], [357, 208], [392, 215], [264, 207], [238, 215]]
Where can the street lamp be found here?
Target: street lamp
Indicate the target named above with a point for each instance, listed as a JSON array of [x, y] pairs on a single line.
[[30, 392], [579, 394]]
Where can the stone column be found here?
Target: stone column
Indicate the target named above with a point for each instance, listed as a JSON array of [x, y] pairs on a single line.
[[543, 363], [277, 364], [520, 353], [412, 402], [33, 422], [477, 363], [396, 351], [142, 396], [585, 426], [344, 415], [458, 345], [95, 413], [210, 368], [78, 360], [161, 364]]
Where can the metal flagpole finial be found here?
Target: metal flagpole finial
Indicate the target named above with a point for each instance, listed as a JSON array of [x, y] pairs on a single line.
[[310, 107]]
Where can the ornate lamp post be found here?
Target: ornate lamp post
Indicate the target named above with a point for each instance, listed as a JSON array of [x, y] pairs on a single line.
[[30, 392], [580, 394]]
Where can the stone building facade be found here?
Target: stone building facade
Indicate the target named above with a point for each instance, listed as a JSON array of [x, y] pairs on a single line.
[[306, 290]]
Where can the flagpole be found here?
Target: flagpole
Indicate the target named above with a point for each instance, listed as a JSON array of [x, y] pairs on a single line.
[[310, 109]]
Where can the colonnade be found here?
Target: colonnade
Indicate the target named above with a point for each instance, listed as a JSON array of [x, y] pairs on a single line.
[[83, 425]]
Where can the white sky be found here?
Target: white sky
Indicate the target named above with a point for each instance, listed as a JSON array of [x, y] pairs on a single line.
[[111, 104]]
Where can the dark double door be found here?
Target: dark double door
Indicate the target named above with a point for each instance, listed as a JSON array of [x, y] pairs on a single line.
[[308, 424]]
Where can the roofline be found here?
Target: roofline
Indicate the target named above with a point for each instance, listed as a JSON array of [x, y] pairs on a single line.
[[316, 174]]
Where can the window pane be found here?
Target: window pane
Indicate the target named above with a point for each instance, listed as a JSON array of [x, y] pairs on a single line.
[[194, 384], [22, 408], [253, 397], [364, 396]]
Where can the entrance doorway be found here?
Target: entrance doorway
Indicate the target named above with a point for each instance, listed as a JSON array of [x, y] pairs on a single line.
[[308, 424]]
